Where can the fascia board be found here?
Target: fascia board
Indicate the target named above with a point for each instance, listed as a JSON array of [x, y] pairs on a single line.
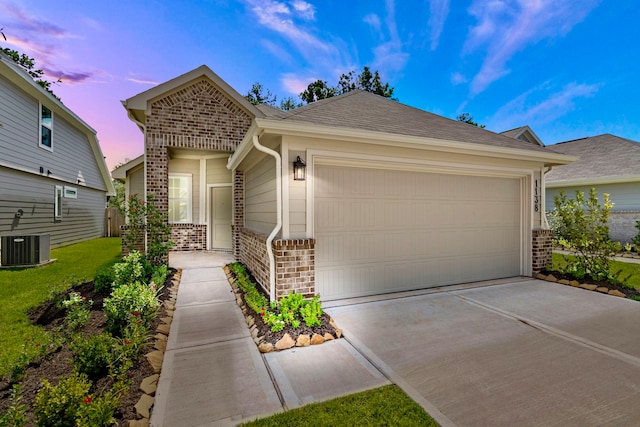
[[121, 171], [244, 148], [593, 181], [407, 141]]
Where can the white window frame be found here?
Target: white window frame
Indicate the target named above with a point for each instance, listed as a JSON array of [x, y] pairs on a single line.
[[189, 179], [57, 202], [47, 126]]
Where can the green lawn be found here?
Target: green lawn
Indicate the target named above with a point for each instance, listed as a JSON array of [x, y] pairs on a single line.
[[384, 406], [26, 288], [627, 272]]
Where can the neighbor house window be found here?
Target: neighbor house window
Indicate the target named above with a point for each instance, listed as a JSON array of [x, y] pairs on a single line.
[[46, 128], [179, 198], [57, 202]]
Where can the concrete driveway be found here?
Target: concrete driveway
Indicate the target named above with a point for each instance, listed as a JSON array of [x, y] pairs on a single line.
[[526, 352]]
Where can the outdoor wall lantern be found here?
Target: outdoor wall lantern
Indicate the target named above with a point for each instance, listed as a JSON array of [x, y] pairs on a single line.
[[299, 170]]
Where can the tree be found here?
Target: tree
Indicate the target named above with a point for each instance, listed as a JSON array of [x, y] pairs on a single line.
[[468, 118], [365, 81], [119, 200], [318, 90], [258, 94], [289, 103]]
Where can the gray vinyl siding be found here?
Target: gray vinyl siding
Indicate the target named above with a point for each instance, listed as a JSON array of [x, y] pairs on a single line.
[[625, 196], [82, 218], [71, 157], [260, 196]]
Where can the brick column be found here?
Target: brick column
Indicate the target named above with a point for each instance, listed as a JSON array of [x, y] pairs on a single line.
[[238, 213], [295, 267], [541, 250]]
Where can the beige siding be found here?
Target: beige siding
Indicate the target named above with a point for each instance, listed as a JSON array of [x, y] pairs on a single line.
[[217, 172], [190, 167], [135, 180], [260, 196], [297, 200], [626, 196]]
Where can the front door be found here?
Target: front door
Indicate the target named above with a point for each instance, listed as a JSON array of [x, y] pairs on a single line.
[[220, 217]]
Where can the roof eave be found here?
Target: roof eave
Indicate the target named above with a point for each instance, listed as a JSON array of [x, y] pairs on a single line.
[[408, 141], [582, 182]]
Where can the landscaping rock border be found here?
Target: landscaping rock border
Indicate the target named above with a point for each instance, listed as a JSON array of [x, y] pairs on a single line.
[[287, 341], [576, 284], [155, 358]]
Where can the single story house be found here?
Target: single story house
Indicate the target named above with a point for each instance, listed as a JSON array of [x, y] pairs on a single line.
[[609, 164], [348, 196], [55, 181]]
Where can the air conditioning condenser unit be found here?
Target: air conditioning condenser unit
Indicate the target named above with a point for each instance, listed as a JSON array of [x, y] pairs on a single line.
[[24, 250]]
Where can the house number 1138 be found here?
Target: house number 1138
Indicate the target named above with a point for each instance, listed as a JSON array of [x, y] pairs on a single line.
[[536, 198]]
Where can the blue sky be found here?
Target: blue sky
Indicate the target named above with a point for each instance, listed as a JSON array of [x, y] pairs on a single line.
[[567, 68]]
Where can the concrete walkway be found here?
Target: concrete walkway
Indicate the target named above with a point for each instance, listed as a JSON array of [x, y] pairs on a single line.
[[213, 373]]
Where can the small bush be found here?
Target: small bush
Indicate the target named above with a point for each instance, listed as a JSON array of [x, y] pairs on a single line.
[[92, 355], [133, 268], [58, 406], [15, 414], [104, 280], [98, 411], [78, 311], [134, 302]]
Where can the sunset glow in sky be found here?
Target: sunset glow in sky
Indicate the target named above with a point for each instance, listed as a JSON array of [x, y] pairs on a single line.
[[567, 68]]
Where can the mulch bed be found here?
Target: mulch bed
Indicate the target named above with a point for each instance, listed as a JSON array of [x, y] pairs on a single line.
[[58, 363], [629, 292]]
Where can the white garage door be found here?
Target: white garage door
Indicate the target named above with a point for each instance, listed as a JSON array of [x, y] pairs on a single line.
[[381, 231]]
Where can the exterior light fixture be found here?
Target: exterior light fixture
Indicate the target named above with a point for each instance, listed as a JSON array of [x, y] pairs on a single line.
[[299, 170]]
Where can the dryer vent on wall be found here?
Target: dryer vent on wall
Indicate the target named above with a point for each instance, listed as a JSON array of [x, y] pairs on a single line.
[[32, 249]]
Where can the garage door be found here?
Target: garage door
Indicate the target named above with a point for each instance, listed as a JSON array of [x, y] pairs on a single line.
[[381, 231]]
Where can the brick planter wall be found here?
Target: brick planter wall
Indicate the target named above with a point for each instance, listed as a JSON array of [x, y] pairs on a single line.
[[125, 231], [189, 237], [295, 267], [295, 262], [541, 250]]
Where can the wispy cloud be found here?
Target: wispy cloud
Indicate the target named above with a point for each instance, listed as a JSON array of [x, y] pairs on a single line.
[[438, 11], [458, 78], [506, 27], [142, 81], [296, 84], [389, 56], [529, 109], [42, 40]]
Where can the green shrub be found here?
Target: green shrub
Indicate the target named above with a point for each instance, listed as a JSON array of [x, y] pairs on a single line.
[[15, 414], [92, 354], [99, 411], [312, 311], [104, 280], [582, 224], [78, 311], [133, 268], [58, 406], [134, 302]]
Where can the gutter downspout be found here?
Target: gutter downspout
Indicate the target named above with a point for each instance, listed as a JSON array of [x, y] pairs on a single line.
[[543, 212], [276, 229]]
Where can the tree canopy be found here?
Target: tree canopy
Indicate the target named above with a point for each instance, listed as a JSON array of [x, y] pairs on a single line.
[[468, 118], [258, 94]]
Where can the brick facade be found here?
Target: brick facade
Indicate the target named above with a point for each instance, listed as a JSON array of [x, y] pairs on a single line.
[[238, 213], [198, 116], [125, 231], [541, 249], [189, 237], [295, 267]]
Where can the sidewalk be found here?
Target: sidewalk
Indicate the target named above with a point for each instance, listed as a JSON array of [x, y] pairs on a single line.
[[213, 373]]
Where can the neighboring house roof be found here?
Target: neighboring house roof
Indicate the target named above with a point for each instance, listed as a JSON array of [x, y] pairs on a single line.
[[137, 105], [18, 76], [120, 172], [524, 133], [602, 159]]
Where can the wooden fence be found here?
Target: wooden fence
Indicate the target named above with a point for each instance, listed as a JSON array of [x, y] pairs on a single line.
[[112, 222]]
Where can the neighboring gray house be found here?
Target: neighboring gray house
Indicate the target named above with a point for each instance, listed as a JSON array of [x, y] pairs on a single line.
[[609, 164], [53, 174], [523, 133], [392, 198]]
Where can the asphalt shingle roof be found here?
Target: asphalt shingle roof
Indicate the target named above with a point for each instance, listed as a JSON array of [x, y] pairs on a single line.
[[363, 110], [599, 156]]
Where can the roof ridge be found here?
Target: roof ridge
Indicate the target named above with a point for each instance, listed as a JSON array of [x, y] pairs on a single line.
[[320, 102]]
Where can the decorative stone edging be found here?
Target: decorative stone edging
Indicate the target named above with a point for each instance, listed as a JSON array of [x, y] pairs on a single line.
[[576, 284], [286, 342], [148, 385]]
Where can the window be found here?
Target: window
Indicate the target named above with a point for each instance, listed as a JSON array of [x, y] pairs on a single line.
[[57, 203], [46, 128], [179, 198]]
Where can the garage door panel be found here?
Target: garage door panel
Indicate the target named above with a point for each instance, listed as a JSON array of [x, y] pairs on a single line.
[[384, 231]]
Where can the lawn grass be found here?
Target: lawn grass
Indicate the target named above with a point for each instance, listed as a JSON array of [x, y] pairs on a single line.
[[384, 406], [628, 273], [21, 289]]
